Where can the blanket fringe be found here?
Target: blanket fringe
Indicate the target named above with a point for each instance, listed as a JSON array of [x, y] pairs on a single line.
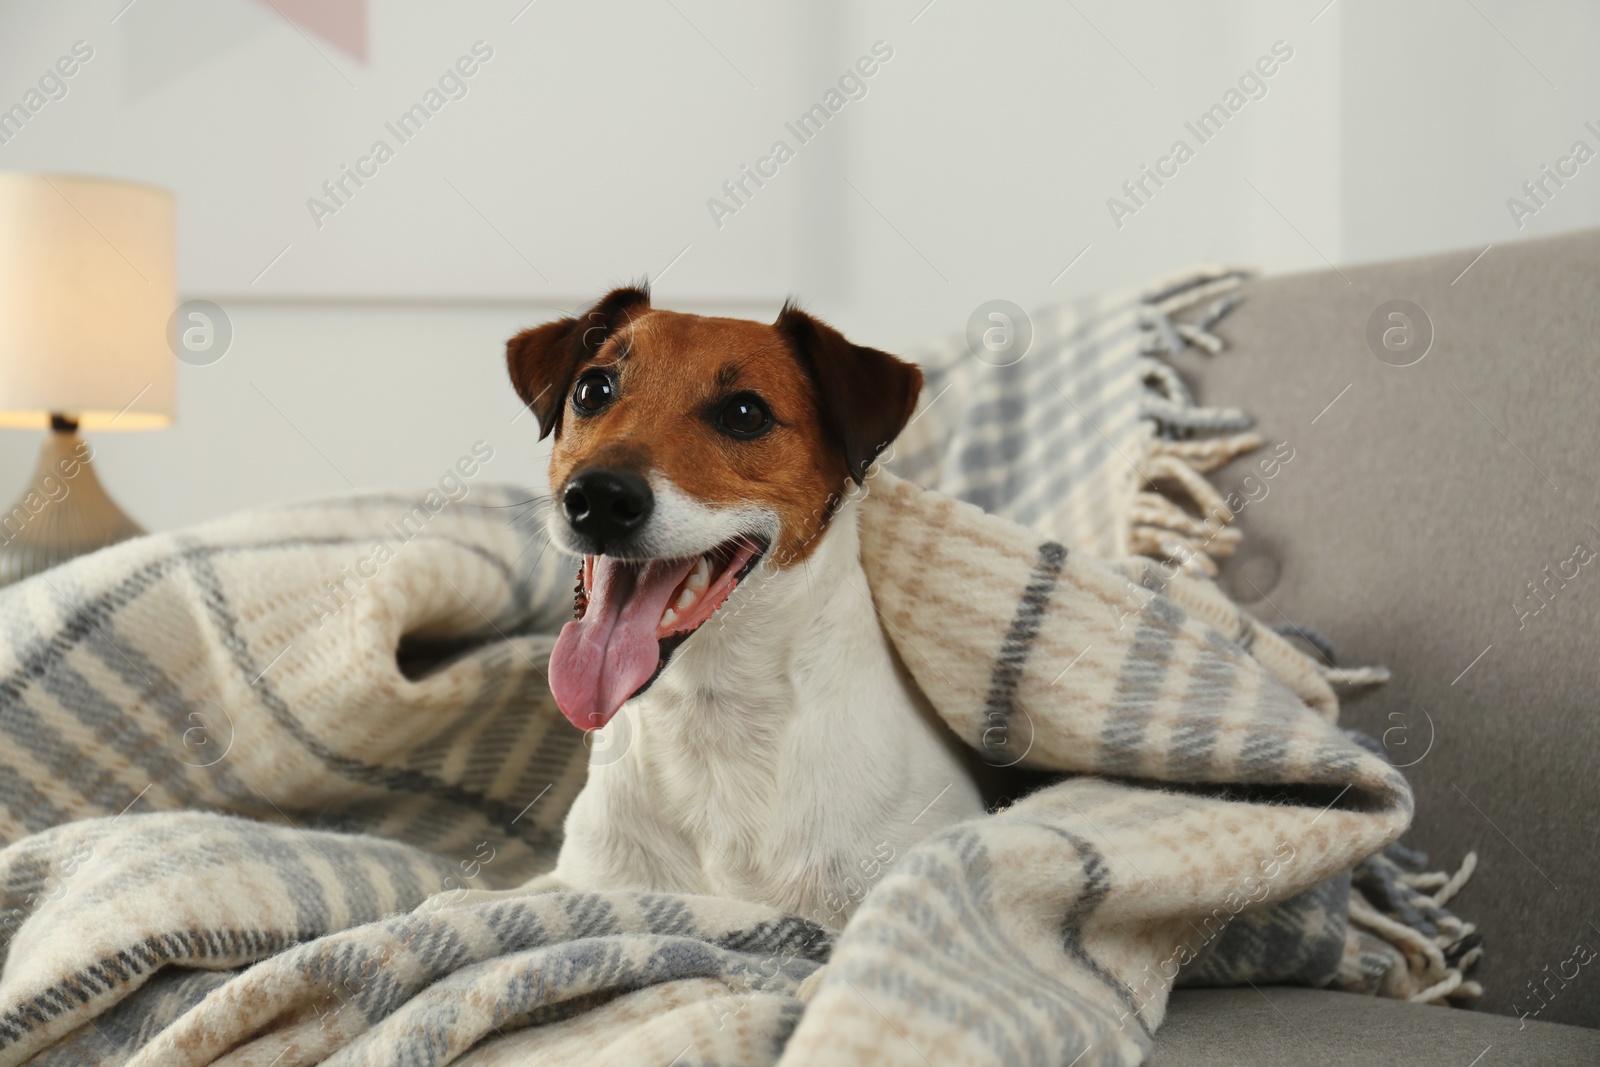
[[1400, 940], [1178, 515], [1161, 527], [1355, 677], [1449, 885], [1435, 963]]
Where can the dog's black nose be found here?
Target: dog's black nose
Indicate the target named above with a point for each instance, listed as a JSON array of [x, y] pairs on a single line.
[[607, 506]]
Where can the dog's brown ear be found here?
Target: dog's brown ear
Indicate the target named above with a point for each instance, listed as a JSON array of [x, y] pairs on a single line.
[[542, 360], [867, 395]]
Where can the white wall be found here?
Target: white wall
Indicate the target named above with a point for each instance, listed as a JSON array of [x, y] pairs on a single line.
[[977, 165], [1449, 107]]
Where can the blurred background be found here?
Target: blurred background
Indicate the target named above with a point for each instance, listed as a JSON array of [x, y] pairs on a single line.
[[935, 155]]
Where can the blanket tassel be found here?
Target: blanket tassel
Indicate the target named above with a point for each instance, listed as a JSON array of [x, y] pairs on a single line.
[[1411, 947]]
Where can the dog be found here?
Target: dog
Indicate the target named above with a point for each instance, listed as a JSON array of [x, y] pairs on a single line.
[[705, 472]]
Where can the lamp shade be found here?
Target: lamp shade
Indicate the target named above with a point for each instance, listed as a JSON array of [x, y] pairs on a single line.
[[87, 283]]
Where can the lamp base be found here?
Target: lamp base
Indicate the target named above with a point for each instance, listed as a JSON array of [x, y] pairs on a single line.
[[63, 512]]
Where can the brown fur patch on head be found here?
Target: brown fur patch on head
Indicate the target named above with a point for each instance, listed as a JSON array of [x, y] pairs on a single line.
[[867, 396], [833, 407], [543, 360]]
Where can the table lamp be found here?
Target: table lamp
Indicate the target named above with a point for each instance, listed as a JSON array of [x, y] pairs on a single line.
[[87, 284]]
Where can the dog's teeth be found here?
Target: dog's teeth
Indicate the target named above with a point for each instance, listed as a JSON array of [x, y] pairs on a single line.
[[688, 598], [701, 576], [669, 617]]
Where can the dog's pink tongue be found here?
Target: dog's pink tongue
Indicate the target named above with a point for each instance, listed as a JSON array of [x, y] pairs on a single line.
[[603, 658]]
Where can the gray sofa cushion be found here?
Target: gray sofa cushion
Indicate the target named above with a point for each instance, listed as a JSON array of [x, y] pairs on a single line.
[[1407, 526], [1276, 1025]]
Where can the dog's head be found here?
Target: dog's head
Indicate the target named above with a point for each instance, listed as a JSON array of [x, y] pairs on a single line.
[[690, 450]]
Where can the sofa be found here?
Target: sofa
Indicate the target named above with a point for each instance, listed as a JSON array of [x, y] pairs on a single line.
[[1435, 520], [1428, 515]]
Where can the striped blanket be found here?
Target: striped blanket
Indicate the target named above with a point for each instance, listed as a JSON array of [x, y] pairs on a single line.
[[258, 776]]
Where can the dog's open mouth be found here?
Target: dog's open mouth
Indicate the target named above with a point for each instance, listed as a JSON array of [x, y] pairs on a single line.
[[633, 614]]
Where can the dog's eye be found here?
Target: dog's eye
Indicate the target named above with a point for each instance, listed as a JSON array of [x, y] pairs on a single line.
[[595, 390], [744, 416]]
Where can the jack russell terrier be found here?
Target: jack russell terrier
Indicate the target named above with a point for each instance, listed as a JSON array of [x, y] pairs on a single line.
[[777, 750]]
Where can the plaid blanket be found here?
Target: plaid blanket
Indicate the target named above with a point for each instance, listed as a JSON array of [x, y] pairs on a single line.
[[260, 775]]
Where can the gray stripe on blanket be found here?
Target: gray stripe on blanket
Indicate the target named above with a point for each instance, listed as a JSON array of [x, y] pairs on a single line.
[[1210, 693], [1097, 882], [46, 655], [198, 559], [1006, 674], [72, 991], [1122, 740], [45, 663]]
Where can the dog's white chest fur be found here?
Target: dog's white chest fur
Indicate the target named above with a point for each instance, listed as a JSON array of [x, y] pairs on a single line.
[[783, 756]]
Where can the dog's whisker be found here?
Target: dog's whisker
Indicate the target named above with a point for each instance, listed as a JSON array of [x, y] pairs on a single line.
[[537, 511], [535, 515], [536, 559], [517, 504]]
